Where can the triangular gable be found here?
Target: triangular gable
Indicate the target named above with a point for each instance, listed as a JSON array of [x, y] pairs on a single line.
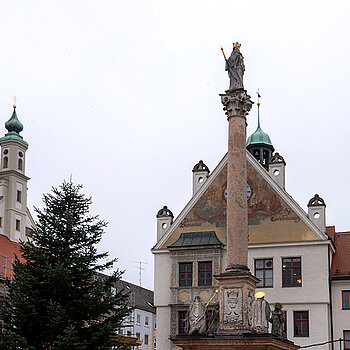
[[273, 215]]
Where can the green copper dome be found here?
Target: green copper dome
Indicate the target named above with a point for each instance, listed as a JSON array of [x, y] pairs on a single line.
[[259, 137], [14, 127]]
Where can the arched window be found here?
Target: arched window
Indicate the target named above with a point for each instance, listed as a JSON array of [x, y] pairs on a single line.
[[6, 162], [20, 164]]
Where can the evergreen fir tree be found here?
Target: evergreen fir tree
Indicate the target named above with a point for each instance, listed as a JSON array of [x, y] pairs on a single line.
[[55, 301]]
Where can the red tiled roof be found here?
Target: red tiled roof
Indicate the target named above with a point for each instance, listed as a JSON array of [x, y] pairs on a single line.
[[330, 230], [341, 258], [8, 248]]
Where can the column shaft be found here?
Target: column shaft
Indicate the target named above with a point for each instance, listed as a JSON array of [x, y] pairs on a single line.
[[237, 214]]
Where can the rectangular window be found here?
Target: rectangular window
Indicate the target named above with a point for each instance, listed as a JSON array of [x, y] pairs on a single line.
[[146, 321], [182, 317], [346, 340], [18, 225], [264, 271], [146, 339], [138, 335], [0, 221], [291, 272], [345, 299], [29, 232], [185, 274], [301, 323], [19, 196], [128, 333], [205, 273], [138, 318]]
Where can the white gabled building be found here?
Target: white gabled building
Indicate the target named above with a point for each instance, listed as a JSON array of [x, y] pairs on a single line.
[[290, 251]]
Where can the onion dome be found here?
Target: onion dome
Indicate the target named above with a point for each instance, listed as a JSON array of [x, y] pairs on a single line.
[[200, 166], [164, 212], [259, 137], [14, 127], [316, 201], [259, 144]]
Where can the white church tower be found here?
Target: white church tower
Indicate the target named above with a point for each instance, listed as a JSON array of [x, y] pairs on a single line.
[[15, 220]]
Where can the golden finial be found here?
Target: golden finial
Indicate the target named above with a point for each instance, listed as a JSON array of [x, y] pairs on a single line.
[[258, 104], [14, 101]]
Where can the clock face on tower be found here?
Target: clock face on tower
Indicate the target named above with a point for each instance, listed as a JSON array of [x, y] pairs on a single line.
[[249, 192]]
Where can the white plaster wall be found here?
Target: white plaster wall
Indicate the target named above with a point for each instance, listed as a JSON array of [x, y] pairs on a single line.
[[341, 318], [162, 275], [313, 296], [318, 327], [163, 328], [314, 270]]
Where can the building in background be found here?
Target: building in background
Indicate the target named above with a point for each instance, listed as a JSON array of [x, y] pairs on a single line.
[[142, 321], [16, 221], [300, 263]]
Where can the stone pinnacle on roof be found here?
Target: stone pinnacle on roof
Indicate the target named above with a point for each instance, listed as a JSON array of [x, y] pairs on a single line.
[[200, 166], [165, 212], [316, 201]]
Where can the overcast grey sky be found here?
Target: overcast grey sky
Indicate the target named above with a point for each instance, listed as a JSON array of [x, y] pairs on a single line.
[[124, 95]]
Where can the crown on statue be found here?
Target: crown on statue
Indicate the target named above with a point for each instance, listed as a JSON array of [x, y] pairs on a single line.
[[236, 44]]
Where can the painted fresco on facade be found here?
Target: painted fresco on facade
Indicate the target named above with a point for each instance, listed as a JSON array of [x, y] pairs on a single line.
[[263, 203], [270, 218]]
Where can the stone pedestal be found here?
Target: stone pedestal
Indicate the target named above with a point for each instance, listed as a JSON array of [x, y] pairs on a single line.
[[235, 299]]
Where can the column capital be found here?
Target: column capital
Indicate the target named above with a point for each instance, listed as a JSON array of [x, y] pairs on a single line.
[[236, 103]]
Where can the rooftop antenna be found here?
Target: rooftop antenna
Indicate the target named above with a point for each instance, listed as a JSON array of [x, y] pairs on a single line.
[[140, 268]]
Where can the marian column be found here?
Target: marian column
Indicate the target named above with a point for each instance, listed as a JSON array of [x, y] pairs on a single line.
[[237, 285]]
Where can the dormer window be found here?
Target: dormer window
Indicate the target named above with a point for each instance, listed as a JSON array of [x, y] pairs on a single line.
[[6, 162]]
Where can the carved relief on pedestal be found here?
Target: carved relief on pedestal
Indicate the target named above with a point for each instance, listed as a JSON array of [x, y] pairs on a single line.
[[233, 303]]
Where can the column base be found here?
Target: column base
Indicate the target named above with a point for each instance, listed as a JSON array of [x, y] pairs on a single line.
[[238, 269], [237, 288]]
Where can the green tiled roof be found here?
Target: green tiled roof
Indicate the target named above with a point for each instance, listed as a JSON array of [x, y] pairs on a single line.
[[196, 239], [259, 137]]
